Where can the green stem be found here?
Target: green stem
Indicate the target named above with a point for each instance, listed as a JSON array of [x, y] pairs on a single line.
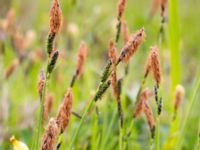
[[40, 117], [174, 44], [120, 136], [107, 135], [157, 140], [81, 123]]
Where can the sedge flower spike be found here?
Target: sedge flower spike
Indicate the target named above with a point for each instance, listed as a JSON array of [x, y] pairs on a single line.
[[55, 17], [132, 46], [155, 65], [64, 113], [50, 136]]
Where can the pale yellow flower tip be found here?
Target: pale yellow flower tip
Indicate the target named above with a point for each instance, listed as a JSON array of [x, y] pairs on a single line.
[[18, 145]]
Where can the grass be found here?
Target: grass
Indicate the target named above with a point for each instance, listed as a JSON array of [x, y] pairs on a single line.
[[94, 22], [186, 121]]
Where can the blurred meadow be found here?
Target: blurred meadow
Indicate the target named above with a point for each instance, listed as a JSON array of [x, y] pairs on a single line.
[[24, 29]]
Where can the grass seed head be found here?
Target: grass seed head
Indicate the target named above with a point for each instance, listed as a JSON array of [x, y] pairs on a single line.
[[50, 136], [112, 53], [55, 17], [102, 89], [146, 93], [50, 41], [125, 32], [114, 83], [51, 65], [121, 8], [41, 82], [106, 71], [150, 118], [82, 55], [64, 113], [155, 65], [48, 105], [131, 46]]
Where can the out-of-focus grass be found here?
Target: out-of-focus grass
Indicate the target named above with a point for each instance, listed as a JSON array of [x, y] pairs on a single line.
[[174, 44], [94, 21]]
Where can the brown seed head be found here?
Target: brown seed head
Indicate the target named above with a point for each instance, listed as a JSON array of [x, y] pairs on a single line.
[[155, 65], [11, 68], [41, 82], [114, 86], [50, 136], [146, 93], [121, 8], [48, 105], [65, 111], [179, 95], [82, 55], [125, 32], [55, 17], [112, 53], [150, 118], [131, 46]]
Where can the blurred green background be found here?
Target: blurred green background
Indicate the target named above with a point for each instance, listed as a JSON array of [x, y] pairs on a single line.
[[94, 21]]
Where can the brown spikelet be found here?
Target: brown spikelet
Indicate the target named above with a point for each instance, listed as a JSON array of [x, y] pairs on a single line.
[[147, 67], [112, 53], [146, 93], [150, 118], [11, 68], [50, 136], [48, 105], [121, 8], [131, 46], [55, 17], [114, 84], [125, 32], [82, 55], [41, 82], [155, 65], [65, 111], [179, 95], [163, 5]]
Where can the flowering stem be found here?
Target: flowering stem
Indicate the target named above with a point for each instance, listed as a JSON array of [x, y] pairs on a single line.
[[40, 117]]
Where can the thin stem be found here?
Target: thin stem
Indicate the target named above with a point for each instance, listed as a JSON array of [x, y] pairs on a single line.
[[109, 132], [81, 123], [157, 140], [40, 117], [120, 136], [130, 128], [118, 31]]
